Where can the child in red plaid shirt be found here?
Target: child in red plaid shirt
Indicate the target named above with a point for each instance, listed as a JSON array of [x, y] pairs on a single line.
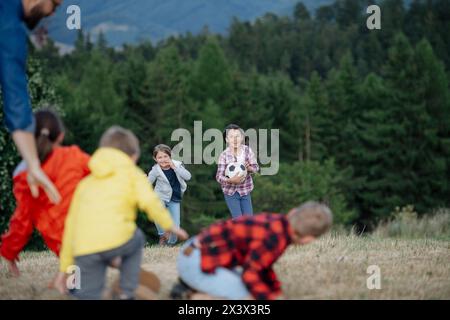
[[237, 190], [233, 259]]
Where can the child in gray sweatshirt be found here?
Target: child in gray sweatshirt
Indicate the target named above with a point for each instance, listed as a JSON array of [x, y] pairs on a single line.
[[170, 177]]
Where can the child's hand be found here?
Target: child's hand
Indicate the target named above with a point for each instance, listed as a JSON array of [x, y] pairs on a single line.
[[180, 233], [172, 165], [59, 283], [248, 167], [237, 179], [13, 268]]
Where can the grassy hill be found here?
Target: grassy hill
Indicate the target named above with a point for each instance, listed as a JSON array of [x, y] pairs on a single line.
[[334, 267]]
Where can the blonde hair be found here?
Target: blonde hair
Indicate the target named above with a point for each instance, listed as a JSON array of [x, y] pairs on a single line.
[[311, 219], [122, 139]]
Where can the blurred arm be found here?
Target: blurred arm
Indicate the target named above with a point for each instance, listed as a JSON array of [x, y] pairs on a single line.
[[221, 166], [20, 225], [183, 172], [148, 201]]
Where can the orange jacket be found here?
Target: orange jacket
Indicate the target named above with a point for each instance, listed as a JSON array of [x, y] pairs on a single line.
[[65, 167]]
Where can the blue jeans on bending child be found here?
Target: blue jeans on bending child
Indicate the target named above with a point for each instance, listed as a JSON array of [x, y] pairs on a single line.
[[174, 209], [223, 283]]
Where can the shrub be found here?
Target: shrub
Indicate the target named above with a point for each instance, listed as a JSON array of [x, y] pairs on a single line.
[[406, 223]]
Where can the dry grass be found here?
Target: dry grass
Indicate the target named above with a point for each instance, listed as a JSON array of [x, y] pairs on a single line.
[[332, 268], [405, 223]]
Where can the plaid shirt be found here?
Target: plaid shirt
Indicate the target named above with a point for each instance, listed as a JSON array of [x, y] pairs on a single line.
[[253, 242], [227, 157]]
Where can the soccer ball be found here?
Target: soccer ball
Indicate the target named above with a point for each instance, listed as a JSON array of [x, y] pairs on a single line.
[[235, 168]]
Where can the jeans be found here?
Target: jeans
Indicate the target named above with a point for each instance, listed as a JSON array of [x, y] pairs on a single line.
[[223, 283], [239, 205], [174, 209], [93, 269]]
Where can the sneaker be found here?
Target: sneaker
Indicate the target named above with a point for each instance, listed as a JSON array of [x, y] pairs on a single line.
[[181, 291], [162, 241]]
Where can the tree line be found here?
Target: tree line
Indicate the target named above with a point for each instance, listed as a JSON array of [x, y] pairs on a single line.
[[363, 114]]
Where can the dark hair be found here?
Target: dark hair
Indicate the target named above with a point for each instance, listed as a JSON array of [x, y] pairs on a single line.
[[121, 139], [233, 126], [48, 128], [162, 148]]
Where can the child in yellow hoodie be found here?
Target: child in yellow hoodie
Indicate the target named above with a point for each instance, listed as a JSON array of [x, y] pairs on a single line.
[[100, 228]]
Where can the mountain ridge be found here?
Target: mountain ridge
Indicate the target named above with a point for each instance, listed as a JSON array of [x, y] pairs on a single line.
[[137, 20]]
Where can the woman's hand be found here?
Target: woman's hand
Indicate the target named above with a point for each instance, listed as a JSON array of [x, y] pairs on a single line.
[[35, 178]]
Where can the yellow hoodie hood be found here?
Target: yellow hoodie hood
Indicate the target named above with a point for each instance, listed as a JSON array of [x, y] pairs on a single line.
[[107, 161]]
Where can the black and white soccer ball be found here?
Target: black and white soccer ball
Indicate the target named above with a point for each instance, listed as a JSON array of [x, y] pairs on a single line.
[[235, 168]]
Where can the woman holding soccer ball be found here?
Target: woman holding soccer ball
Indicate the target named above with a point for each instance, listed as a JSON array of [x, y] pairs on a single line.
[[235, 164]]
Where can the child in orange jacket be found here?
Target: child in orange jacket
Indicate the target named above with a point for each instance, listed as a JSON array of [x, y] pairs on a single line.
[[65, 166]]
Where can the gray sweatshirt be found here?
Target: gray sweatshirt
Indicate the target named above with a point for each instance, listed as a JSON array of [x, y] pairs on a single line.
[[162, 187]]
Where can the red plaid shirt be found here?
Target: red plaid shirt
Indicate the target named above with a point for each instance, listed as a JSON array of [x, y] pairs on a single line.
[[227, 157], [253, 242]]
